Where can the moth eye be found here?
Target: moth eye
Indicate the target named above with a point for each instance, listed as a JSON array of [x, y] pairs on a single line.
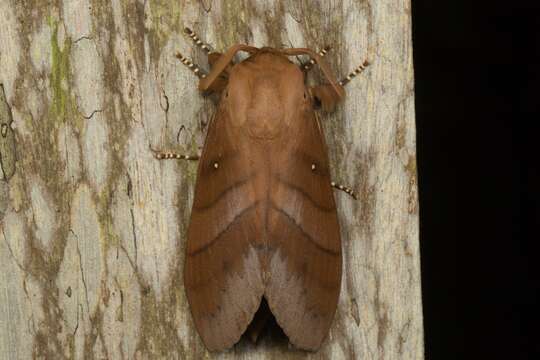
[[305, 95]]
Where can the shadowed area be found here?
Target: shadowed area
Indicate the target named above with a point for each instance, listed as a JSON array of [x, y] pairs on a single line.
[[264, 328]]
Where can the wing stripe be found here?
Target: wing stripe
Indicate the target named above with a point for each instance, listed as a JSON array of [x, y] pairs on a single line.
[[236, 219], [306, 235], [224, 192], [305, 195]]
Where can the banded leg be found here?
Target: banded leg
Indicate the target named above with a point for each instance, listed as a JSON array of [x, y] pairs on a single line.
[[163, 155], [311, 62], [196, 70], [354, 73], [212, 55], [207, 48], [344, 188]]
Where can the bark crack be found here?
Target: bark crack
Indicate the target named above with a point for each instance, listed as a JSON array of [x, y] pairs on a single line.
[[402, 335], [84, 37], [19, 265], [134, 233], [383, 321], [206, 9], [79, 306], [182, 127], [82, 271], [355, 313], [88, 117]]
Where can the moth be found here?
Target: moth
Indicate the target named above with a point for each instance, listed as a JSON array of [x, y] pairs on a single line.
[[264, 221]]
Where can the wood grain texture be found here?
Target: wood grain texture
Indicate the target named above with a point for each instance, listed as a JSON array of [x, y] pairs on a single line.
[[93, 229]]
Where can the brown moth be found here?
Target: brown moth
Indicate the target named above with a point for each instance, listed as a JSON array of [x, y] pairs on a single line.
[[264, 220]]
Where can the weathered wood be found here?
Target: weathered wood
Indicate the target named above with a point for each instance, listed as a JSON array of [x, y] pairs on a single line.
[[93, 228]]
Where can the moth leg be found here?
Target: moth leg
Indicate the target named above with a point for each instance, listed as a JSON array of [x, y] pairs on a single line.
[[354, 73], [344, 188], [207, 48], [325, 95], [312, 62], [213, 56], [196, 70], [164, 155]]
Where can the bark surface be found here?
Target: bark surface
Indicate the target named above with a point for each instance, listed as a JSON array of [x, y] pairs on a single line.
[[93, 229]]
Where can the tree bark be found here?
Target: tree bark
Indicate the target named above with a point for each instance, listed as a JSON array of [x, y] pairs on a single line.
[[93, 228]]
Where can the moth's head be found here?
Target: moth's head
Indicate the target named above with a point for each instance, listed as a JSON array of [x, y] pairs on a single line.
[[265, 92], [267, 88]]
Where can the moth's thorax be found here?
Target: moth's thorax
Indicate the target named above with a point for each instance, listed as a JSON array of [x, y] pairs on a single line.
[[264, 95]]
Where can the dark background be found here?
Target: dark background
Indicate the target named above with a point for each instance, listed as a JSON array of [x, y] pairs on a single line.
[[439, 107], [477, 98]]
